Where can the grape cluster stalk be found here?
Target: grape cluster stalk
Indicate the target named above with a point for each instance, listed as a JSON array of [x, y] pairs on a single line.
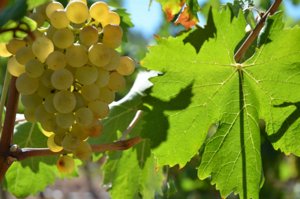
[[69, 72]]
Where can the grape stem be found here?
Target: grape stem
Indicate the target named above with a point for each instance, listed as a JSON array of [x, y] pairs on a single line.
[[254, 34], [8, 127], [24, 153]]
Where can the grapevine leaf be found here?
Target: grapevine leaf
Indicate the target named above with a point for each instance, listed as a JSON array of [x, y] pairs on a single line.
[[35, 3], [229, 96], [133, 172], [34, 174]]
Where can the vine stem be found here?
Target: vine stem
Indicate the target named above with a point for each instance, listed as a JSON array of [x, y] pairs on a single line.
[[3, 96], [8, 127], [24, 153], [254, 34]]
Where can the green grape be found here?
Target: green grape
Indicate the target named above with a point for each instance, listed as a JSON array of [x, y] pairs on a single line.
[[103, 77], [94, 130], [88, 35], [99, 54], [47, 120], [64, 101], [80, 102], [43, 91], [31, 101], [77, 11], [116, 82], [99, 10], [62, 79], [126, 66], [65, 120], [56, 60], [77, 131], [106, 95], [46, 78], [52, 7], [14, 45], [65, 164], [59, 19], [27, 85], [24, 54], [99, 108], [14, 67], [3, 50], [63, 38], [111, 18], [76, 56], [90, 92], [48, 103], [52, 145], [86, 75], [34, 68], [29, 114], [112, 36], [42, 47], [70, 142], [84, 116], [83, 151], [114, 61]]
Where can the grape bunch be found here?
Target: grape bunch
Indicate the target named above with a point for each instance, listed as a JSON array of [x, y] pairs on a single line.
[[68, 71]]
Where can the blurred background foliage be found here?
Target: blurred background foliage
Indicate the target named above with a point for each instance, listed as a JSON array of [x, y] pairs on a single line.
[[282, 173]]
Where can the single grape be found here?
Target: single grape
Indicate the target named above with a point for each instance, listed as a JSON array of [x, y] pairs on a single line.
[[78, 132], [114, 61], [99, 108], [86, 75], [63, 38], [48, 103], [31, 101], [112, 36], [77, 11], [52, 145], [24, 54], [70, 142], [99, 54], [59, 19], [56, 60], [14, 45], [46, 78], [90, 92], [111, 18], [106, 95], [103, 77], [126, 66], [34, 68], [84, 116], [76, 56], [27, 85], [62, 79], [3, 50], [42, 47], [65, 120], [64, 101], [65, 164], [52, 7], [83, 151], [88, 35], [116, 82], [14, 67], [99, 10]]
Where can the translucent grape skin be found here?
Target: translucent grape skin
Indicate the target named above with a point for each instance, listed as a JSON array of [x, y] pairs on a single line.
[[76, 56], [64, 101], [65, 164], [52, 145], [126, 66], [99, 10], [77, 11], [59, 19], [63, 38], [62, 79], [26, 85], [88, 35], [42, 47], [99, 54]]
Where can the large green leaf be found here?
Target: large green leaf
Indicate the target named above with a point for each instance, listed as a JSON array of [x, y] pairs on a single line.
[[133, 173], [228, 96], [34, 174]]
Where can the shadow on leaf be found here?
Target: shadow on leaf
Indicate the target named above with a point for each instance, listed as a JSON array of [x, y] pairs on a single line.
[[157, 124], [287, 123]]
